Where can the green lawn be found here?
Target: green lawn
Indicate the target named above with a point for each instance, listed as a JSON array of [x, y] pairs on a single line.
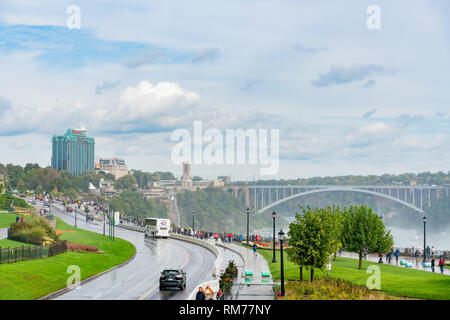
[[36, 278], [5, 243], [6, 218], [395, 280]]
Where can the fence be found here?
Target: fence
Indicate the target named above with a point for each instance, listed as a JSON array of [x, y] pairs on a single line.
[[10, 255]]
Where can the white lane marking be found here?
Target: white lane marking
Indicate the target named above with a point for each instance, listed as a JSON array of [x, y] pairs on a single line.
[[188, 256]]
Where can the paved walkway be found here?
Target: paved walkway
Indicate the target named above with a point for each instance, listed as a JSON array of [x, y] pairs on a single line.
[[3, 233], [255, 287], [416, 263]]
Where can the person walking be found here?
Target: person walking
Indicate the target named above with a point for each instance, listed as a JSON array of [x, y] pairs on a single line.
[[219, 295], [381, 257], [416, 254], [200, 294], [432, 251], [442, 264], [21, 219], [254, 249], [17, 219], [397, 253], [432, 264]]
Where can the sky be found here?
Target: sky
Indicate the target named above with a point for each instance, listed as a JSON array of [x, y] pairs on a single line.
[[346, 99]]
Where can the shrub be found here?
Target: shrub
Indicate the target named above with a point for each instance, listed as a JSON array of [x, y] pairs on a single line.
[[37, 231], [226, 278]]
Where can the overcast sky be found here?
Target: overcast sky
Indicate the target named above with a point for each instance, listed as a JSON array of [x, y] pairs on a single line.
[[346, 99]]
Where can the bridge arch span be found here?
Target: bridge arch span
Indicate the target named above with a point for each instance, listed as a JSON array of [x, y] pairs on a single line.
[[340, 189]]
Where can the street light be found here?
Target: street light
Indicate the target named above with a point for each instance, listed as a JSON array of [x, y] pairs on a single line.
[[424, 239], [137, 214], [193, 222], [274, 259], [104, 217], [75, 217], [281, 238], [248, 220]]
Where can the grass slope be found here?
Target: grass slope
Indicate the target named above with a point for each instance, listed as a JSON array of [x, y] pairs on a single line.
[[397, 281], [36, 278], [5, 243], [6, 218]]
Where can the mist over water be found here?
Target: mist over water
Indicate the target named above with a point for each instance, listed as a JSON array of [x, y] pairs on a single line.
[[404, 238], [407, 238]]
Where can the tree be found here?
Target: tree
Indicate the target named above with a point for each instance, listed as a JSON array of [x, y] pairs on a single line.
[[127, 182], [313, 238], [362, 229]]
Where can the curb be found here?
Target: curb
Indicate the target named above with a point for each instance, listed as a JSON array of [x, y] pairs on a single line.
[[66, 289], [214, 283], [235, 251]]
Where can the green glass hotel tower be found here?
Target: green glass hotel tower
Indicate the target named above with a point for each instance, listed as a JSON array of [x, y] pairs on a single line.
[[73, 152]]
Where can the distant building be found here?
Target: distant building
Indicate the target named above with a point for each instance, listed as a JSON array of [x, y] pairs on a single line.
[[107, 188], [114, 166], [153, 193], [73, 152], [225, 179], [186, 182]]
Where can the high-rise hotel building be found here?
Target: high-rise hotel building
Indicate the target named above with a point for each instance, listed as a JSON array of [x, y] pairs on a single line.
[[73, 152]]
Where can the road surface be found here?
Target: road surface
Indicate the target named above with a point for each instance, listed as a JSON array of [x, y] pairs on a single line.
[[139, 279]]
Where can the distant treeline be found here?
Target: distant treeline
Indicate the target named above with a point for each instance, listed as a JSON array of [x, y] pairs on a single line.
[[33, 177], [218, 211], [134, 205], [425, 178]]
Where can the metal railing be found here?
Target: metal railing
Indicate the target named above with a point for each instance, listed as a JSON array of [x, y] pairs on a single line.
[[11, 255]]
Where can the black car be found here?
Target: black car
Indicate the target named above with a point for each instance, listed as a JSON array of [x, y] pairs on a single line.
[[172, 278]]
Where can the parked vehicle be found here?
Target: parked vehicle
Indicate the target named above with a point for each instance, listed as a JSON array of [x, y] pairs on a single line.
[[172, 278]]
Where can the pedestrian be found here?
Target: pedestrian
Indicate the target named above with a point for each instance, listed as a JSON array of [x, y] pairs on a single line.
[[389, 256], [219, 295], [21, 219], [381, 257], [432, 263], [17, 219], [441, 264], [432, 251], [416, 254], [397, 253], [254, 249], [200, 294]]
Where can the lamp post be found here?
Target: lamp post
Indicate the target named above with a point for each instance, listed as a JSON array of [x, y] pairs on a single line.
[[281, 238], [274, 259], [248, 220], [104, 216], [137, 215], [193, 222], [424, 239]]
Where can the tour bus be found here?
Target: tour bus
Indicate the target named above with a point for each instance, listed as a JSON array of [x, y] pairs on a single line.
[[157, 228]]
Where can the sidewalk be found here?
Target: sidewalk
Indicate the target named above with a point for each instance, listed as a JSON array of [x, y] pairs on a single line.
[[255, 287], [416, 263]]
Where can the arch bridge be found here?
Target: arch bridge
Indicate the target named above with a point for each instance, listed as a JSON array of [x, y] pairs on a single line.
[[260, 198]]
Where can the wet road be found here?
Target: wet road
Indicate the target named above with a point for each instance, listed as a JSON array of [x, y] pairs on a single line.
[[139, 279]]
